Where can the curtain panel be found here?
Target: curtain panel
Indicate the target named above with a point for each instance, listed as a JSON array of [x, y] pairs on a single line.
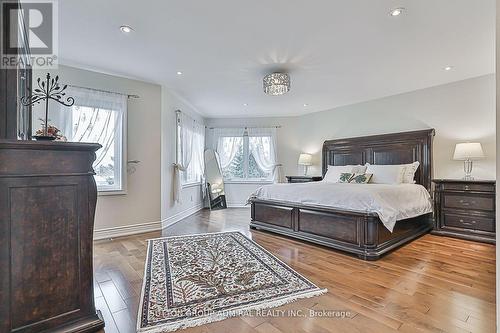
[[107, 112], [99, 117], [262, 145], [228, 148], [190, 146]]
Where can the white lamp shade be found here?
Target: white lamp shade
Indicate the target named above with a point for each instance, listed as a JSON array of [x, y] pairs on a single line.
[[305, 159], [469, 150]]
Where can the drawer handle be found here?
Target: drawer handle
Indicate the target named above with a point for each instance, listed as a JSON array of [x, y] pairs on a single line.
[[467, 223], [466, 187]]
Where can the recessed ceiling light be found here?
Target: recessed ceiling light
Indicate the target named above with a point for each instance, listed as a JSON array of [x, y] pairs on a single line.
[[126, 29], [245, 104], [305, 104], [396, 11], [179, 73], [448, 68]]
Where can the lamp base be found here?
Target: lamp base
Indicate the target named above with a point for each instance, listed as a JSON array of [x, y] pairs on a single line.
[[468, 170]]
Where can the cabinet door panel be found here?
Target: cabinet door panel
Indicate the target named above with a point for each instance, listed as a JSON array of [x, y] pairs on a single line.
[[44, 217]]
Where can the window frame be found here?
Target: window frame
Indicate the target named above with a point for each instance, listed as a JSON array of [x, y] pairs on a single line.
[[246, 163], [120, 144], [124, 160], [184, 181]]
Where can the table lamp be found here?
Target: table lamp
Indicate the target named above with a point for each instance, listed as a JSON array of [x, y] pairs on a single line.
[[468, 152], [305, 160]]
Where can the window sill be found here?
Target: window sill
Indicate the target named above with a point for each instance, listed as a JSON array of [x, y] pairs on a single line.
[[256, 182], [187, 185], [111, 192]]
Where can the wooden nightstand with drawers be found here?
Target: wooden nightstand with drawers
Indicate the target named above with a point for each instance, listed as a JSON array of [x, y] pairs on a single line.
[[303, 179], [465, 209]]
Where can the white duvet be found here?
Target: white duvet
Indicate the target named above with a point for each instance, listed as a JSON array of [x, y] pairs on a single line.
[[390, 202]]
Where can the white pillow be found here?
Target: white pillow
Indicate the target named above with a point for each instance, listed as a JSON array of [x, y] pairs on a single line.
[[333, 172], [359, 168], [386, 174], [409, 173], [355, 168]]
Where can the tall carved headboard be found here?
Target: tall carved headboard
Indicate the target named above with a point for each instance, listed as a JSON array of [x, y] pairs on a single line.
[[396, 148]]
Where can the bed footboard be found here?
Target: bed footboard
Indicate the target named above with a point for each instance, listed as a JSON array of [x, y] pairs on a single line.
[[361, 234]]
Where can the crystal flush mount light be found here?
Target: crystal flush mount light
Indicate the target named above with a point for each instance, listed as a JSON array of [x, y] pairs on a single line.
[[126, 29], [276, 84]]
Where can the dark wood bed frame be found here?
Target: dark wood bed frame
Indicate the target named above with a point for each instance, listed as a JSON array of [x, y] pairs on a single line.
[[362, 234]]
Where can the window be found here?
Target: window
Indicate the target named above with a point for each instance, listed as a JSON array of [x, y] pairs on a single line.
[[248, 156], [194, 171], [99, 117], [190, 148], [105, 127]]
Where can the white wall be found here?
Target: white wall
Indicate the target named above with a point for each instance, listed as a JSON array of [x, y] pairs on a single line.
[[191, 199], [151, 140], [460, 111], [139, 209]]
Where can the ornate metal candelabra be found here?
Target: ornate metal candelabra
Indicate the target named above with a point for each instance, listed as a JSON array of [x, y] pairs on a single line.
[[48, 90]]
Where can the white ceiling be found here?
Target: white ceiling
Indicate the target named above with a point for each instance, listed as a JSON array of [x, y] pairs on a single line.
[[337, 52]]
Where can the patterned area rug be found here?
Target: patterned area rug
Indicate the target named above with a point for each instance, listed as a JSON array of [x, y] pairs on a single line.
[[198, 279]]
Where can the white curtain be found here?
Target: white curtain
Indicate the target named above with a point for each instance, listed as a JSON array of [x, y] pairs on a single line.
[[99, 117], [198, 159], [190, 147], [227, 142], [263, 147], [96, 117]]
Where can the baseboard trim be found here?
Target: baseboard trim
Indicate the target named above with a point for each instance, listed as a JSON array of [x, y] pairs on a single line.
[[180, 216], [237, 205], [126, 230]]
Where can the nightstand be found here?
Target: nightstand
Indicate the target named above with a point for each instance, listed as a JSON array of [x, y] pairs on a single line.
[[465, 209], [303, 179]]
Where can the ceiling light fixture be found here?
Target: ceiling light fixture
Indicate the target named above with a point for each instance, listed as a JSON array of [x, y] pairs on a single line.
[[448, 68], [305, 104], [126, 29], [245, 104], [396, 11], [179, 73], [276, 84]]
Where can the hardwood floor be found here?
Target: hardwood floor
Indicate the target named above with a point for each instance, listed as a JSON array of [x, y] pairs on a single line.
[[434, 284]]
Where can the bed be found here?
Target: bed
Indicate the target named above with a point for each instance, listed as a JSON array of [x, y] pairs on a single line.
[[354, 231]]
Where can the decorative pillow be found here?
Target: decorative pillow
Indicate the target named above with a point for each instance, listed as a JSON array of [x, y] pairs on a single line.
[[361, 178], [333, 172], [409, 173], [345, 177], [386, 174]]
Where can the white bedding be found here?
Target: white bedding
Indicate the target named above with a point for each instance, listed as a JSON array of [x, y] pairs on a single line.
[[390, 202]]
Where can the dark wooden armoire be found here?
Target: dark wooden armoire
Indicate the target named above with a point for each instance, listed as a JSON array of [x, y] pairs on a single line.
[[47, 204]]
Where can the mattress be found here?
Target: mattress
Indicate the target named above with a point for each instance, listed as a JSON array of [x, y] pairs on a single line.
[[390, 202]]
